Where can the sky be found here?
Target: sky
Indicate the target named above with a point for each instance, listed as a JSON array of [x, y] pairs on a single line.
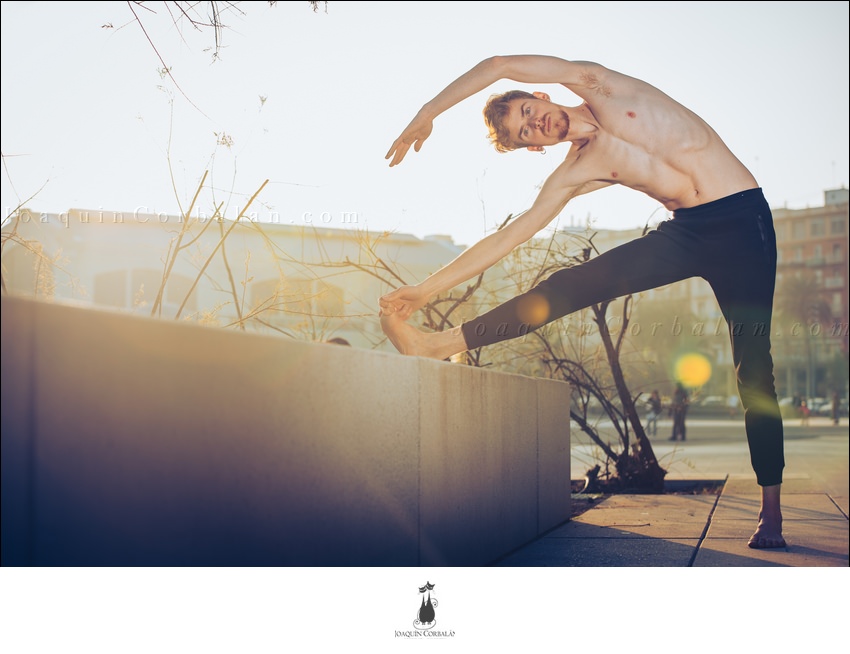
[[310, 103]]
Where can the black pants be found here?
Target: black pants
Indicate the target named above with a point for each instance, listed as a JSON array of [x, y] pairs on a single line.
[[732, 245], [679, 428]]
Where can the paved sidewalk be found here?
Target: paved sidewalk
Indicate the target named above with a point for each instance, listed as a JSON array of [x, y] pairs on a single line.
[[708, 530]]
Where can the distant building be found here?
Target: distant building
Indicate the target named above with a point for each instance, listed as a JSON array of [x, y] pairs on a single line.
[[811, 351], [305, 281], [322, 283]]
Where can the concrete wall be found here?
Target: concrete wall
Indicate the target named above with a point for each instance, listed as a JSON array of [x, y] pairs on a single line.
[[129, 441]]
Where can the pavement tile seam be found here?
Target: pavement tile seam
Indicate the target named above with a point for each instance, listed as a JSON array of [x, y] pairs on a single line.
[[837, 502], [843, 525], [601, 539], [792, 518], [809, 544], [785, 494], [814, 506]]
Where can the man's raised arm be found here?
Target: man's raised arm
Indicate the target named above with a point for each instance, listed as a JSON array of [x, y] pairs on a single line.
[[531, 69]]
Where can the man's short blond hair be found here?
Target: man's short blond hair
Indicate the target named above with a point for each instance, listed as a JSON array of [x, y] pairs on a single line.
[[496, 110]]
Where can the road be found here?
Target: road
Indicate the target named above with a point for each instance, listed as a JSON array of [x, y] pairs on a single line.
[[716, 448]]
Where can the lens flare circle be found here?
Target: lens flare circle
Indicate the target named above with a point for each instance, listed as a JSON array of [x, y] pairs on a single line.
[[692, 369]]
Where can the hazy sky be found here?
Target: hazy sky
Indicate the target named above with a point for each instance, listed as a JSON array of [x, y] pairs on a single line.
[[312, 102]]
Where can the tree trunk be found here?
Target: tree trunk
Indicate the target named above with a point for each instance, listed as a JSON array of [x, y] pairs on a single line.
[[638, 467]]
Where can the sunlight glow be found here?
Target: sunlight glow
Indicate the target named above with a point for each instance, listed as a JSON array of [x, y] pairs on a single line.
[[692, 370], [533, 309]]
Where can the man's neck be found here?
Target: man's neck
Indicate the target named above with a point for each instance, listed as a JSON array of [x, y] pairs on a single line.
[[582, 122], [583, 126]]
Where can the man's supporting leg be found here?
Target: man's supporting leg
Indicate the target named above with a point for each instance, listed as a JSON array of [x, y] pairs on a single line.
[[763, 422], [743, 283]]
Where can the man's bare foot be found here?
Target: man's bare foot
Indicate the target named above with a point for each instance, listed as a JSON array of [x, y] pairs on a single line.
[[769, 531], [406, 338], [767, 536], [409, 340]]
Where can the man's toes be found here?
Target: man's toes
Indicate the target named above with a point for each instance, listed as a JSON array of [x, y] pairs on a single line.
[[766, 542]]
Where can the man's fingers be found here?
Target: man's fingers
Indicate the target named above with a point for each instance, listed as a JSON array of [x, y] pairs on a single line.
[[399, 154], [400, 147], [390, 307]]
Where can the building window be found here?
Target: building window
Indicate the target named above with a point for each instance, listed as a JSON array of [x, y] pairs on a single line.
[[177, 292], [328, 300], [110, 289], [279, 297], [798, 230], [138, 289], [144, 288], [836, 280], [816, 227], [837, 226], [290, 300]]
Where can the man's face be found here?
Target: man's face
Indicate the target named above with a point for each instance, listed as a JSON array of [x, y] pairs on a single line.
[[534, 123]]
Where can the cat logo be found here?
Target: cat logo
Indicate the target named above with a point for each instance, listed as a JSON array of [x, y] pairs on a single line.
[[426, 618]]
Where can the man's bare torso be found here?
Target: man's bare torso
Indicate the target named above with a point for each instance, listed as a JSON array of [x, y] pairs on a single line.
[[639, 137]]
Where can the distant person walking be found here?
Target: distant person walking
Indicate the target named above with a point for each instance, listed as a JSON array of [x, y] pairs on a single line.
[[836, 407], [805, 412], [797, 404], [654, 407], [679, 409]]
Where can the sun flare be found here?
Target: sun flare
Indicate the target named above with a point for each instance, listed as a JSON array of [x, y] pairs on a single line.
[[692, 370]]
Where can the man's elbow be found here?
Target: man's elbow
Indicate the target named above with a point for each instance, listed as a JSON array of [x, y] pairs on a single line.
[[497, 65]]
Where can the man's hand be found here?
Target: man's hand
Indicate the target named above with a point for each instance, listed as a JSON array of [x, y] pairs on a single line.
[[404, 301], [414, 134]]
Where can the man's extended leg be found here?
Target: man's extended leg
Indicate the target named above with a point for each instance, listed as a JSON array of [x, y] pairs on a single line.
[[661, 257]]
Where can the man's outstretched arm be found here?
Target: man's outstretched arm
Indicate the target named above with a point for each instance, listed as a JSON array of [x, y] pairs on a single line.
[[531, 69], [488, 251]]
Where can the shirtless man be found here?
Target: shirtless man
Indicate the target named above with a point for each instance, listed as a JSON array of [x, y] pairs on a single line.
[[626, 132]]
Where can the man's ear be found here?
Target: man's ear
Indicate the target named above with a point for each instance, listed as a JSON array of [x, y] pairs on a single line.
[[540, 95]]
